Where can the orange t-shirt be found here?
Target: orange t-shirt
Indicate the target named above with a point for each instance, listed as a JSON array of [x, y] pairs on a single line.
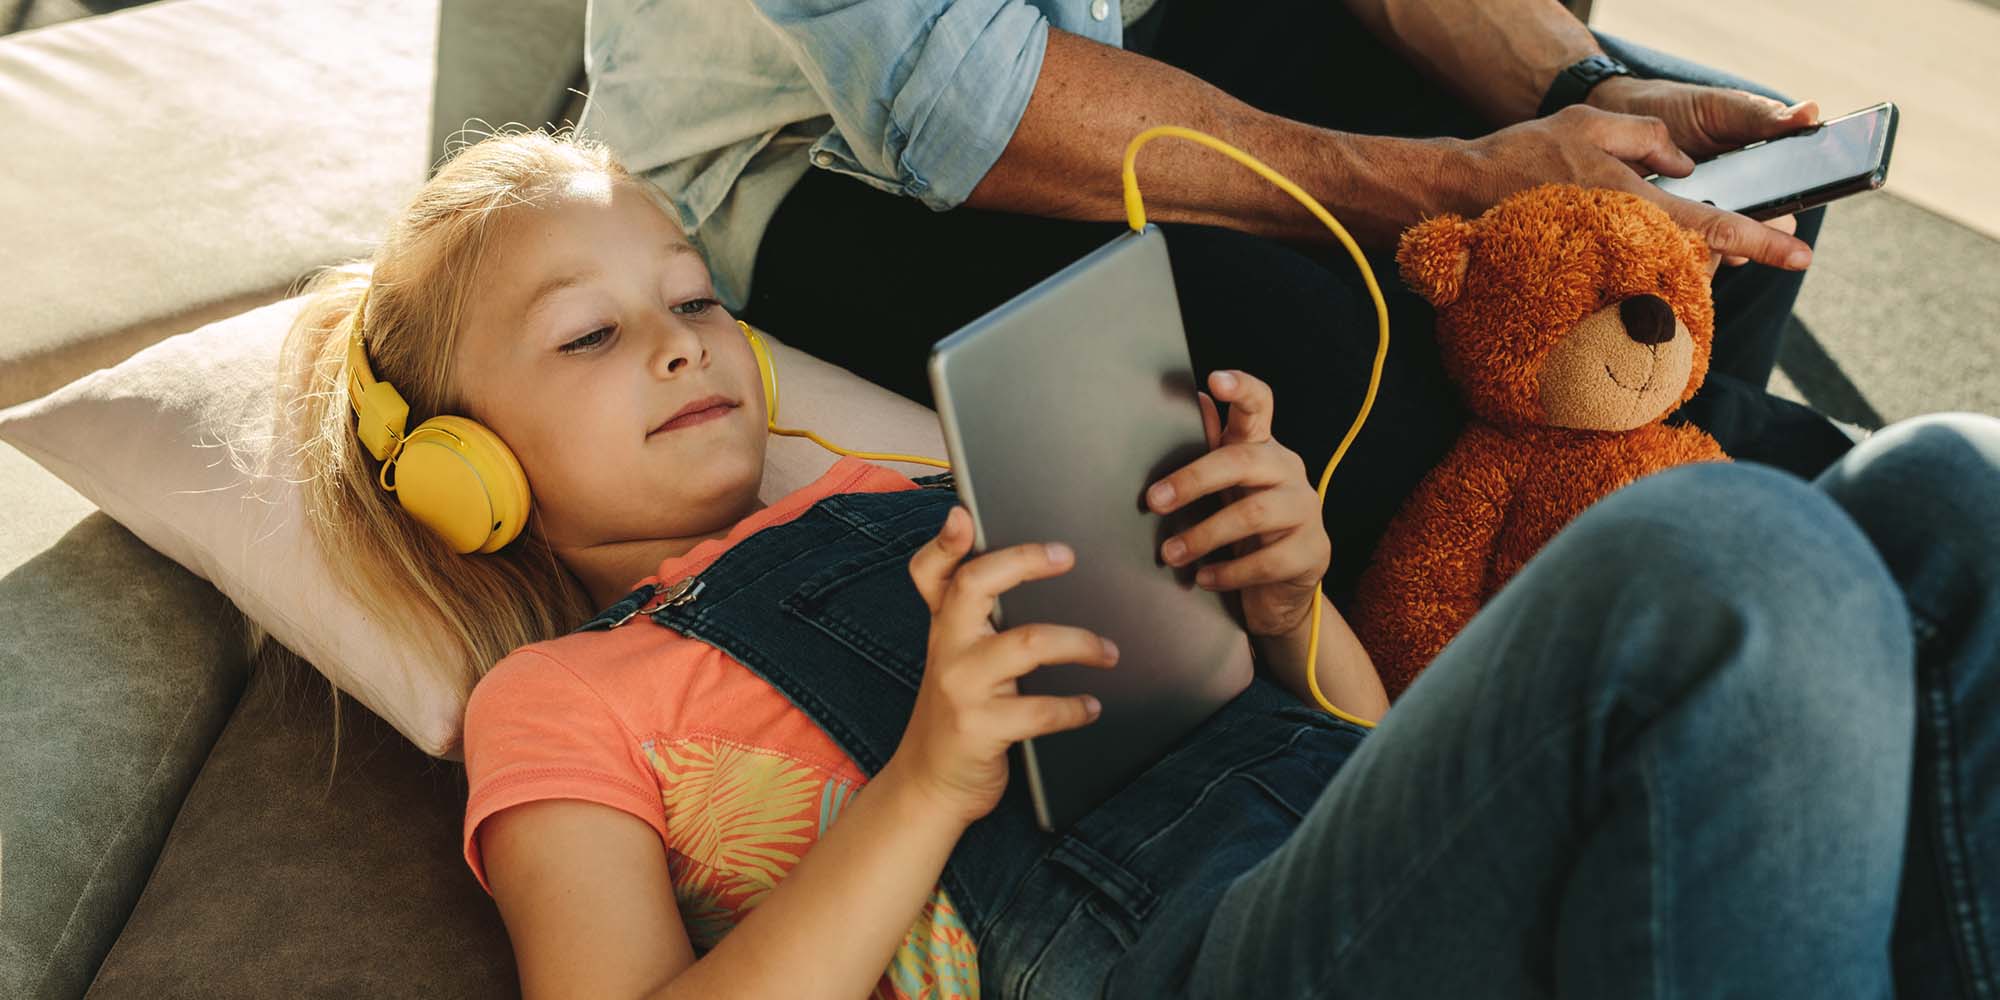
[[736, 780]]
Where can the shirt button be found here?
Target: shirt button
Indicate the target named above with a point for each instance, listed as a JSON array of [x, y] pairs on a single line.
[[1100, 9], [823, 158]]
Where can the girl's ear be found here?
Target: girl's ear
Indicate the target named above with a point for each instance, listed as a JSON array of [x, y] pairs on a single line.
[[1433, 256]]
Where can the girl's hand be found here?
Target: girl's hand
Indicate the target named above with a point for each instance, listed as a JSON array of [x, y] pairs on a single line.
[[1271, 516], [968, 708]]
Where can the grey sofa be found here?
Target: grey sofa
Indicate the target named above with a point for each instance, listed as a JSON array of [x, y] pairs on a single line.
[[169, 822]]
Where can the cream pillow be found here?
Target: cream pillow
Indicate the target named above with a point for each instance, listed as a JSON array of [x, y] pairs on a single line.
[[143, 441]]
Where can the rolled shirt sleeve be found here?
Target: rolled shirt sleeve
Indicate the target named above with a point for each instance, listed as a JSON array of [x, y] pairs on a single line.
[[924, 96]]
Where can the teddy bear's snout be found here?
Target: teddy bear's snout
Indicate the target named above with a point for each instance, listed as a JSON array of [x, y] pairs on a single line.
[[1648, 319]]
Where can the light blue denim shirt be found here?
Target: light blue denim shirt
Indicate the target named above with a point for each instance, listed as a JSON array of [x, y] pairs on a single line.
[[723, 104]]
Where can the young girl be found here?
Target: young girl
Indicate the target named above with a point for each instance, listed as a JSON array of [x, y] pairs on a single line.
[[1728, 734]]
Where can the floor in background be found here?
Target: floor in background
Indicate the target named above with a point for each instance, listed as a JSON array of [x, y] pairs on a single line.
[[1900, 315]]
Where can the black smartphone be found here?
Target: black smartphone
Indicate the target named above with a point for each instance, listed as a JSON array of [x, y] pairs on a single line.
[[1764, 180]]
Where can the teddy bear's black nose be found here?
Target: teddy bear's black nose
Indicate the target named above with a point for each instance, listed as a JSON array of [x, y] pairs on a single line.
[[1648, 319]]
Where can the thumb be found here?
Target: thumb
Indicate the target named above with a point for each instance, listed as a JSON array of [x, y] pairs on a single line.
[[1744, 117], [933, 565], [1211, 419]]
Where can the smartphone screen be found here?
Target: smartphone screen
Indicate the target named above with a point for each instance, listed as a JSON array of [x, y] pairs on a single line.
[[1850, 153]]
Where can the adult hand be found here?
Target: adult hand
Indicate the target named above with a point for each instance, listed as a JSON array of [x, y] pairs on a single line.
[[1596, 148], [1271, 515], [968, 708], [1704, 121]]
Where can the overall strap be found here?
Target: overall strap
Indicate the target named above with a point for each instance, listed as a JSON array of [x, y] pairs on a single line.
[[625, 607]]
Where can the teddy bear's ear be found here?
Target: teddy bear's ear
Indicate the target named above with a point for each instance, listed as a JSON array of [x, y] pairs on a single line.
[[1433, 256]]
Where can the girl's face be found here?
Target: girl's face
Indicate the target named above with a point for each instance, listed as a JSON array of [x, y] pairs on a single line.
[[592, 324]]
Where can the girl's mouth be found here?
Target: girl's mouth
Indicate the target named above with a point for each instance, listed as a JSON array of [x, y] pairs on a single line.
[[693, 417]]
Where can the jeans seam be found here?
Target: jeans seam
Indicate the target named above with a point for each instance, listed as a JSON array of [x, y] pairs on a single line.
[[1657, 887], [1321, 987], [1962, 906]]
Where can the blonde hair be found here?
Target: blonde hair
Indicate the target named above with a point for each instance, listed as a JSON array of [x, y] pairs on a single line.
[[461, 613]]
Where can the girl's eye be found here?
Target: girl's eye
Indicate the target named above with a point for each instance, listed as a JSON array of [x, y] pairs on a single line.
[[587, 341], [695, 307]]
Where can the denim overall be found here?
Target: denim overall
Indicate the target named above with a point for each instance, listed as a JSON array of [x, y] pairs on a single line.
[[823, 608]]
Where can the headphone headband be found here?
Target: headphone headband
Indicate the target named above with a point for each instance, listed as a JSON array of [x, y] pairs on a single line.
[[382, 414]]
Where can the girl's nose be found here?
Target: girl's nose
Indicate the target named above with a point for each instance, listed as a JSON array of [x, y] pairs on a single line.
[[677, 348]]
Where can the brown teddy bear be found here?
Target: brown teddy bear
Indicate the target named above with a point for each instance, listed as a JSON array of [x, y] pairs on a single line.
[[1573, 321]]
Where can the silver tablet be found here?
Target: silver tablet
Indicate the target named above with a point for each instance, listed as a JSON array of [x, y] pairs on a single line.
[[1059, 409]]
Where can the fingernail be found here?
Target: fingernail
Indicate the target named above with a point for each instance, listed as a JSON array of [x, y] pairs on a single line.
[[1110, 648], [1173, 550], [1161, 494], [1092, 705], [1058, 552], [1204, 577], [1225, 380], [1799, 259]]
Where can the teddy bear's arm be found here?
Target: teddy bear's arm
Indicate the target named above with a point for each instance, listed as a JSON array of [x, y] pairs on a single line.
[[1425, 581]]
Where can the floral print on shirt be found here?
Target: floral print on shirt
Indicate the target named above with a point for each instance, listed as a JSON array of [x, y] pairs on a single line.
[[740, 816]]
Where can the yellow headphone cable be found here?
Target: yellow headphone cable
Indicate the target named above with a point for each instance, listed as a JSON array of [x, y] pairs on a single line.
[[1135, 213]]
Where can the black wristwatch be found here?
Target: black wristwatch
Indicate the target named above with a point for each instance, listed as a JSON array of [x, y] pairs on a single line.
[[1573, 84]]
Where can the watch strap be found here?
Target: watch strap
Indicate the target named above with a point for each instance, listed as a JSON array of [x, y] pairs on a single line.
[[1573, 84]]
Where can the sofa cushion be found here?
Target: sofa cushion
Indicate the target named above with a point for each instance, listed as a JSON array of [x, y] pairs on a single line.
[[143, 440], [192, 158], [285, 876], [117, 672], [505, 62]]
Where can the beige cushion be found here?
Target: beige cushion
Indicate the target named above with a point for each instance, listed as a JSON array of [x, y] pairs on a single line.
[[142, 440], [180, 162]]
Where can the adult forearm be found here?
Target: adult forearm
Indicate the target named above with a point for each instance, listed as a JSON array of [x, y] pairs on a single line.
[[1090, 100], [1499, 55], [830, 928], [1346, 676]]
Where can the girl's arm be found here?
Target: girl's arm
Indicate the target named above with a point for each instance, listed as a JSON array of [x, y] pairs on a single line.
[[589, 905], [831, 927]]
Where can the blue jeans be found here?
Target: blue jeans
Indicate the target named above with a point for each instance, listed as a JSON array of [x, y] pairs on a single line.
[[1729, 734]]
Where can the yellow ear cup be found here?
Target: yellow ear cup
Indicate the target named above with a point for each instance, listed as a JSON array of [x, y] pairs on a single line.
[[767, 371], [452, 474], [459, 479]]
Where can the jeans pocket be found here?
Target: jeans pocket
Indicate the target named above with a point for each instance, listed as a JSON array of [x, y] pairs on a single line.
[[1294, 778], [868, 602]]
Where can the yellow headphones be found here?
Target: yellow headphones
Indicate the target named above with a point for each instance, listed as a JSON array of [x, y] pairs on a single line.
[[456, 476]]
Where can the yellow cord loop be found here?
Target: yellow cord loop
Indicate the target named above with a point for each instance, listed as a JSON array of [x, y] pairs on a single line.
[[1135, 213], [871, 456]]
